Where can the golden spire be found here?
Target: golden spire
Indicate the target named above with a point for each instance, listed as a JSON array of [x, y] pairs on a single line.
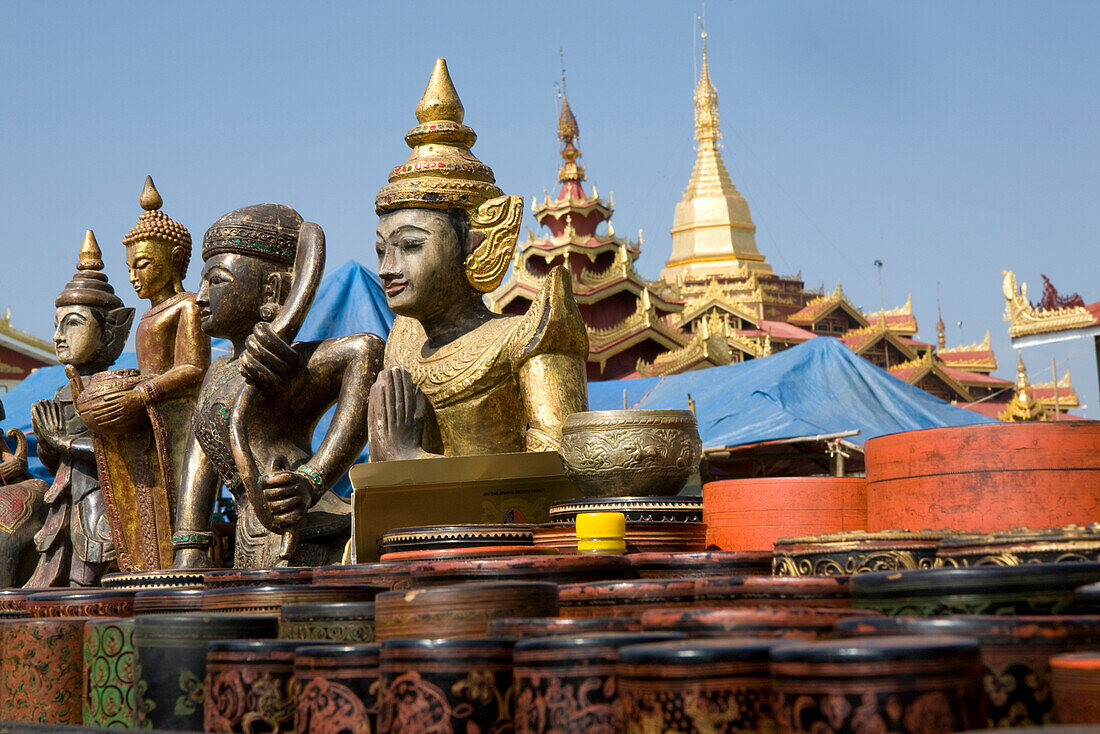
[[440, 99], [570, 170], [91, 258], [1023, 406], [941, 334], [706, 103], [712, 231]]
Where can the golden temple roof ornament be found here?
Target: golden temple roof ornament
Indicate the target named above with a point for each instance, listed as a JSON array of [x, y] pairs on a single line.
[[712, 230], [1024, 319], [941, 333], [1023, 406]]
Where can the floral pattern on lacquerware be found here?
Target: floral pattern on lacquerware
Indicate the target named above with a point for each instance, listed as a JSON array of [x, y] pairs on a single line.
[[672, 709], [328, 707], [931, 712], [192, 694], [242, 700], [566, 706], [109, 696], [1018, 695], [414, 705], [42, 672]]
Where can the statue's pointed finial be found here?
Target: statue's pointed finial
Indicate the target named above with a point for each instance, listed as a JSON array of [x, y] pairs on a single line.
[[440, 100], [150, 197], [91, 258]]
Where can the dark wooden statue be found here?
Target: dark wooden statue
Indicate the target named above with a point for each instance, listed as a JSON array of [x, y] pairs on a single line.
[[258, 406], [22, 510]]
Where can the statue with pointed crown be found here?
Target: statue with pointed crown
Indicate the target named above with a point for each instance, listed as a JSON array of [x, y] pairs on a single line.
[[140, 422], [76, 544], [459, 379], [257, 408]]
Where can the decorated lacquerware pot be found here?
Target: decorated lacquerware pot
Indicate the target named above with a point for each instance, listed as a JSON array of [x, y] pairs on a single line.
[[750, 514], [720, 685], [564, 569], [250, 686], [171, 657], [567, 685], [462, 610], [109, 668], [984, 478], [1075, 682], [145, 580], [445, 537], [168, 601], [446, 685], [641, 537], [42, 670], [13, 602], [701, 565], [337, 689], [348, 622], [519, 629], [83, 603], [1015, 651], [786, 591], [1069, 544], [906, 685], [625, 598], [269, 599], [807, 623], [855, 552], [634, 509], [1037, 588], [390, 575], [257, 577]]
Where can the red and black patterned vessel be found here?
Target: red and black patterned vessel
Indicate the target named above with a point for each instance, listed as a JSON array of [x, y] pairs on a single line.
[[565, 569], [567, 685], [347, 622], [805, 623], [1075, 682], [83, 603], [519, 629], [625, 598], [701, 565], [785, 591], [904, 685], [41, 674], [446, 685], [390, 575], [168, 601], [461, 610], [337, 689], [719, 685], [224, 578], [1016, 654], [250, 686]]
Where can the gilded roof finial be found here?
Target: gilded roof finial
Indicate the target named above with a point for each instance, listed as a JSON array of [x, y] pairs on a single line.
[[941, 335], [440, 99], [1023, 406], [91, 257], [706, 100], [570, 170], [150, 198]]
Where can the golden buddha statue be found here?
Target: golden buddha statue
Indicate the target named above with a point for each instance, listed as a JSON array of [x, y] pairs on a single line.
[[141, 431], [458, 378]]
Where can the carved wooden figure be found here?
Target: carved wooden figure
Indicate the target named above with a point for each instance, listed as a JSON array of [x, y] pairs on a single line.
[[258, 406], [75, 543]]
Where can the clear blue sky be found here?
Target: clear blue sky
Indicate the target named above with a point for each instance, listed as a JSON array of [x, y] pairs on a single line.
[[947, 139]]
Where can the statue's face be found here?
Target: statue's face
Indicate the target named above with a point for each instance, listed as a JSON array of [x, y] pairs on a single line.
[[420, 262], [151, 267], [231, 293], [77, 337]]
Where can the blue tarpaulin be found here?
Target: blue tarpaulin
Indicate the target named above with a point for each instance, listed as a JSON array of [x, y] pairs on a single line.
[[817, 387], [349, 301]]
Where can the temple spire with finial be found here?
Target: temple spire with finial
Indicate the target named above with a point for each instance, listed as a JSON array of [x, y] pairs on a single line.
[[706, 102], [568, 130], [941, 333], [91, 257], [1023, 406]]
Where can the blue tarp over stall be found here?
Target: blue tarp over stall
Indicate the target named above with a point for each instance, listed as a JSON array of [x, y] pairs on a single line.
[[817, 387], [349, 301]]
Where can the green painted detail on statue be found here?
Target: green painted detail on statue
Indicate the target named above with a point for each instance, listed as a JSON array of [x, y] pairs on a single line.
[[109, 674], [313, 476]]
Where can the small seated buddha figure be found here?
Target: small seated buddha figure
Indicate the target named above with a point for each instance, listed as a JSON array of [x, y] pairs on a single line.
[[250, 274], [141, 432], [458, 378], [75, 544]]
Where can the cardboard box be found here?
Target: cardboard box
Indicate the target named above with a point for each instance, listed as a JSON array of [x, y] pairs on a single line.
[[453, 490]]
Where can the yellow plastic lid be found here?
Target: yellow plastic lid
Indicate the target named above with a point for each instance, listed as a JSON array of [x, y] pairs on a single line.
[[606, 525]]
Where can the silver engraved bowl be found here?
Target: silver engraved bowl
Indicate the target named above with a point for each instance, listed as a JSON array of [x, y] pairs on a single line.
[[636, 453]]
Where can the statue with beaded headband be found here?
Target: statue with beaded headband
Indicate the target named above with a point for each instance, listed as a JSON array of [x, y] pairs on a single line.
[[140, 427], [75, 544], [460, 379], [257, 408]]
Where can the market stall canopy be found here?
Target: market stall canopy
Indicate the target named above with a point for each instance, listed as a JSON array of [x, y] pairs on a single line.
[[818, 387]]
